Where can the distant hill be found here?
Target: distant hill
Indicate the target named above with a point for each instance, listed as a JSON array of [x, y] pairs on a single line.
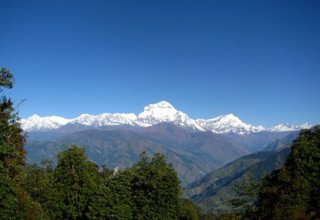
[[282, 142], [259, 141], [193, 154]]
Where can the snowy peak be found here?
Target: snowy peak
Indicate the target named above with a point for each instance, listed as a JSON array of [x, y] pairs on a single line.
[[105, 119], [159, 105], [37, 123], [83, 119], [164, 112], [287, 127], [228, 123], [161, 112], [229, 119]]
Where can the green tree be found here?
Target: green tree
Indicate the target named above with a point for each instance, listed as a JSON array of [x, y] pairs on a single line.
[[155, 189], [292, 192], [244, 202], [112, 197], [12, 152], [74, 179], [37, 183], [189, 211]]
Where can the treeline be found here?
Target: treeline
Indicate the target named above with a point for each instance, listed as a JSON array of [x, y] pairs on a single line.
[[11, 153], [76, 189]]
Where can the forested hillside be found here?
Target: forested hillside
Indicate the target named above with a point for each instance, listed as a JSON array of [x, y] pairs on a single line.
[[215, 191], [293, 191]]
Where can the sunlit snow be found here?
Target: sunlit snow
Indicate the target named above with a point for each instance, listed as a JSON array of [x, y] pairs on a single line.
[[161, 112]]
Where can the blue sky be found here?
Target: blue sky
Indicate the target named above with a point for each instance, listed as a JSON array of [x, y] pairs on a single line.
[[257, 59]]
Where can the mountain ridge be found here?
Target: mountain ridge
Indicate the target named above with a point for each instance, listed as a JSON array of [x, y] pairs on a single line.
[[161, 112]]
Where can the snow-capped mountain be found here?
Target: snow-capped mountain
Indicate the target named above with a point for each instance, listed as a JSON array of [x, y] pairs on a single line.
[[164, 112], [37, 123], [287, 127], [105, 119], [228, 123], [161, 112]]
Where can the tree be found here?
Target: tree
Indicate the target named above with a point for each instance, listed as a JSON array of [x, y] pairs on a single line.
[[112, 197], [155, 189], [37, 183], [244, 202], [189, 211], [292, 192], [12, 153], [74, 179]]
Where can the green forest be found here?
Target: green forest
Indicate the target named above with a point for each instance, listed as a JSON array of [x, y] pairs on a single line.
[[75, 188]]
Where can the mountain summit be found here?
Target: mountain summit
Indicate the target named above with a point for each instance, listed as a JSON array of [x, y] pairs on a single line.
[[228, 123], [35, 122], [161, 112], [287, 127]]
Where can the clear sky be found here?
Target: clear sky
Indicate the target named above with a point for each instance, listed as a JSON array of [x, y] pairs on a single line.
[[257, 59]]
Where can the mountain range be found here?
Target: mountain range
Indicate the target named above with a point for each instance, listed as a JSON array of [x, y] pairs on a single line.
[[161, 112], [195, 147]]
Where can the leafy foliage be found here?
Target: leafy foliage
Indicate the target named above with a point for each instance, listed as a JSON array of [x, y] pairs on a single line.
[[73, 181], [189, 211], [156, 188], [246, 197], [112, 198], [6, 79], [11, 151]]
